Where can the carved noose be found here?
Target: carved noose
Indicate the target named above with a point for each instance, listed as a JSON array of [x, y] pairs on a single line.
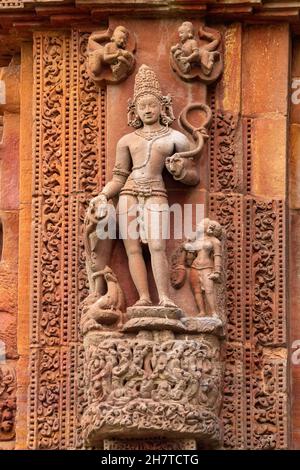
[[199, 134]]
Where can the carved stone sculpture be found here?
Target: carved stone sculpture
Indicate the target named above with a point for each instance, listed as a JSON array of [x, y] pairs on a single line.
[[108, 59], [204, 256], [192, 59], [153, 385], [137, 179], [104, 310], [158, 373]]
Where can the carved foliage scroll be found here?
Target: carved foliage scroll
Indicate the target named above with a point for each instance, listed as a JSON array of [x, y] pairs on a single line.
[[228, 210], [265, 325], [7, 402], [224, 166], [256, 348], [66, 171]]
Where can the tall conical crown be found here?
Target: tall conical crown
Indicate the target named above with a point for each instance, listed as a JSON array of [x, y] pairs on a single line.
[[146, 82]]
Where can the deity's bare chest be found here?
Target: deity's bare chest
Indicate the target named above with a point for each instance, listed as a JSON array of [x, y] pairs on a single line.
[[153, 151]]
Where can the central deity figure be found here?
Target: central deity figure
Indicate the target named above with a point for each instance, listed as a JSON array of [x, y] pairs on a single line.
[[137, 178]]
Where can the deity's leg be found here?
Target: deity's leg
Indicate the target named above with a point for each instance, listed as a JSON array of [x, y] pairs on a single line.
[[155, 227], [137, 268], [128, 226]]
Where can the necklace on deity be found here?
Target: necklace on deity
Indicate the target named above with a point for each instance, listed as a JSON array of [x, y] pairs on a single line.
[[152, 134], [151, 137]]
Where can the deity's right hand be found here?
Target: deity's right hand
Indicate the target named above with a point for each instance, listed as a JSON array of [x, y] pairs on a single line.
[[98, 206]]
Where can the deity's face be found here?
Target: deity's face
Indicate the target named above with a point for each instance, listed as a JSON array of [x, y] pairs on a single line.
[[184, 33], [120, 38], [148, 109]]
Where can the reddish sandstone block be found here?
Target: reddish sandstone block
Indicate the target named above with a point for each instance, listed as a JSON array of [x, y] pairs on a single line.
[[295, 83], [9, 159], [10, 228], [265, 69], [296, 58], [295, 270], [268, 147], [231, 79], [8, 311], [294, 173], [294, 302]]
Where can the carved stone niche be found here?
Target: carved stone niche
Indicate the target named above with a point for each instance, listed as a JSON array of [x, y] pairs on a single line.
[[153, 384], [151, 371]]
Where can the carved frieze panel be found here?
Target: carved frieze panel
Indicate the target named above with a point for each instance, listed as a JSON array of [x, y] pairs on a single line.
[[66, 168], [256, 316], [265, 322], [8, 386], [70, 167], [265, 270], [228, 210], [7, 4], [146, 386], [225, 171], [88, 118], [149, 444]]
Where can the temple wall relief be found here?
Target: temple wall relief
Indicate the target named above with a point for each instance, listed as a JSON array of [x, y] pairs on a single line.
[[106, 350]]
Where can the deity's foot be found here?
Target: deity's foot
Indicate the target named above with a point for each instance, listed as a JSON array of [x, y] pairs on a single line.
[[201, 314], [142, 303], [166, 302]]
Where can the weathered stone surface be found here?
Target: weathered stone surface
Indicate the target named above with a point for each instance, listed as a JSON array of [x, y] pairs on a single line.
[[149, 444], [25, 248], [295, 323], [294, 171], [231, 80], [71, 163], [146, 387], [269, 151], [265, 65]]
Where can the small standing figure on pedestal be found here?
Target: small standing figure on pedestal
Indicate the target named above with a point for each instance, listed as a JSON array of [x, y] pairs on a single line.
[[206, 268], [204, 256], [108, 59], [190, 59]]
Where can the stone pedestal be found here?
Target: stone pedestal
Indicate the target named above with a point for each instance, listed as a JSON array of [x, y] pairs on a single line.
[[153, 384]]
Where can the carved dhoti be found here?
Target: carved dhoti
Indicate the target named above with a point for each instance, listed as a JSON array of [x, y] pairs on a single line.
[[143, 209]]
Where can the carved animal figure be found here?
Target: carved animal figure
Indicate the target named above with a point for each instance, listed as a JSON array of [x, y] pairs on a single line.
[[108, 309]]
